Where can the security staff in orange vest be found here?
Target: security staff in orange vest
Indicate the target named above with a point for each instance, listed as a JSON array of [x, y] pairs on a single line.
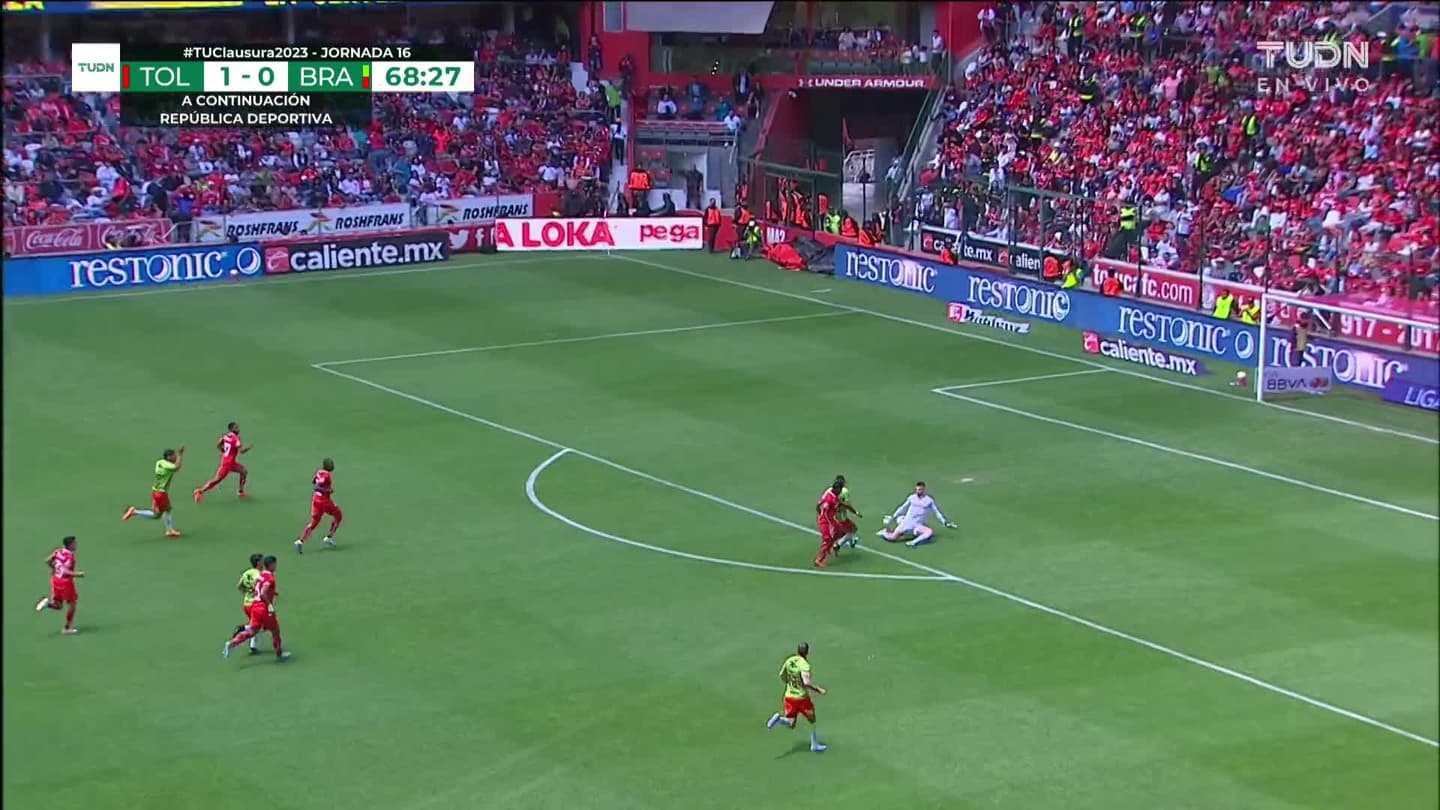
[[947, 256], [848, 226], [713, 218], [1111, 287]]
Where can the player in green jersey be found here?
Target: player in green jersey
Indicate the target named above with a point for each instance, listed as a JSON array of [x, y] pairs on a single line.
[[169, 463], [795, 674], [246, 586]]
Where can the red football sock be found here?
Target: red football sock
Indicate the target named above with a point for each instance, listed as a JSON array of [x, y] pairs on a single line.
[[241, 637], [70, 617], [275, 637], [209, 485], [305, 535], [243, 478]]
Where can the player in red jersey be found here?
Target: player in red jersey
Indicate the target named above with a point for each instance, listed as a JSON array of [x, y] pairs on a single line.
[[262, 612], [230, 449], [322, 505], [827, 521], [61, 563]]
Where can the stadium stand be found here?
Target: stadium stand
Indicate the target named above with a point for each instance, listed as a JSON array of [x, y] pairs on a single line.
[[1071, 116], [527, 128]]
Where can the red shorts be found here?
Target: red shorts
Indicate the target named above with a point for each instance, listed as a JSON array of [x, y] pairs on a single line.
[[325, 507], [160, 501], [261, 617], [828, 531], [227, 467], [845, 527], [62, 589], [799, 706]]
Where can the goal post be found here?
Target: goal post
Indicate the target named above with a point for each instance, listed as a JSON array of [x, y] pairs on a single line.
[[1343, 345]]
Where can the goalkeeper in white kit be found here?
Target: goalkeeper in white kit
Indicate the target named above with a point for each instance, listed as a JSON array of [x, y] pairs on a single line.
[[910, 518]]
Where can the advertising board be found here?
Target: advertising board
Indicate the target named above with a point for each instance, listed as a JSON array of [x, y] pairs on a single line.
[[1018, 257], [652, 233], [481, 210], [1171, 330], [116, 270], [357, 252], [264, 226], [83, 237]]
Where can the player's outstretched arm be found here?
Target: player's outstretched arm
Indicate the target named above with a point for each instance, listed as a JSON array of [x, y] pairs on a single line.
[[180, 457], [811, 685]]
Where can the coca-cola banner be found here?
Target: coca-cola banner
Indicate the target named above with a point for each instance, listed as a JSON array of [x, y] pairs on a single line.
[[83, 237], [1018, 257]]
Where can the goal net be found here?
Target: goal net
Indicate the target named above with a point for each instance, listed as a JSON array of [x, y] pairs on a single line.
[[1312, 345]]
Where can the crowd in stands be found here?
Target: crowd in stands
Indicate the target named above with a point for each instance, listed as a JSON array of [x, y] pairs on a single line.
[[526, 128], [1157, 117]]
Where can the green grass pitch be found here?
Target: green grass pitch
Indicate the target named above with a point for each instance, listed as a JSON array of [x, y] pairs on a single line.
[[577, 494]]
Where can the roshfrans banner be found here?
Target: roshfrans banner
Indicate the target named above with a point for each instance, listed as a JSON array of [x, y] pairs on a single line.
[[1283, 381], [266, 226]]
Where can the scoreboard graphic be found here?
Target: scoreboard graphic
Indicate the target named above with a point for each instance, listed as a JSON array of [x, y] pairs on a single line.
[[267, 86]]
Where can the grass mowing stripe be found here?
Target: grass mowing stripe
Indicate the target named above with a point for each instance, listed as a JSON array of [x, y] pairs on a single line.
[[584, 338], [1031, 349], [959, 580], [1037, 378], [534, 478], [1220, 462]]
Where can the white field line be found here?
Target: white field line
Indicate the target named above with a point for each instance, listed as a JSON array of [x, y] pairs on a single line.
[[1219, 462], [585, 338], [1015, 598], [530, 493], [1031, 349], [993, 383], [294, 278]]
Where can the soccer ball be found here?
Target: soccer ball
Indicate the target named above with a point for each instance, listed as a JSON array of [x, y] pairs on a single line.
[[1241, 379], [234, 273]]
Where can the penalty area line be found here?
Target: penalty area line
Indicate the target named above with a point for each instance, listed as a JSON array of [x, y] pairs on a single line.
[[1175, 451], [530, 344], [1037, 378], [530, 484], [959, 580], [1020, 347]]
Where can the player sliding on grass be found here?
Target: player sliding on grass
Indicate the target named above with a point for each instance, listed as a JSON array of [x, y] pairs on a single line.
[[910, 518], [230, 449], [795, 674], [170, 463]]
